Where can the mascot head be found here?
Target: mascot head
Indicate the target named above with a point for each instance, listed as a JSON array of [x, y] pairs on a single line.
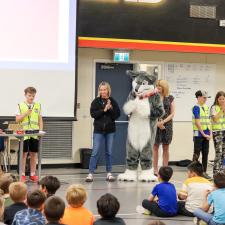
[[143, 82]]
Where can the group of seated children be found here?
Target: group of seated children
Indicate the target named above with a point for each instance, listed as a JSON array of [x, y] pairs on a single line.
[[20, 207], [41, 206], [198, 197]]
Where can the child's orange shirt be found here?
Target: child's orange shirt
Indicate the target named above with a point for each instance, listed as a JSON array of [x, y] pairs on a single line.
[[78, 216]]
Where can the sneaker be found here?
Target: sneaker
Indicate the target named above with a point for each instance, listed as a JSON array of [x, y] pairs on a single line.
[[89, 178], [110, 177], [197, 221], [206, 176], [141, 210], [23, 178], [34, 178], [156, 174]]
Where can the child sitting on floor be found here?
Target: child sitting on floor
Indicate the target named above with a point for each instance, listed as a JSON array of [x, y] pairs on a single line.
[[49, 185], [32, 215], [18, 193], [54, 209], [5, 180], [75, 213], [193, 190], [215, 198], [166, 194], [1, 209], [108, 206]]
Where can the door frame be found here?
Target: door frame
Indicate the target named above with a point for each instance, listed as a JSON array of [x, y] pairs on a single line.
[[95, 61]]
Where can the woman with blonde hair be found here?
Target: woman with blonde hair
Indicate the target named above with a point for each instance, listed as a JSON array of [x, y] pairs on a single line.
[[104, 110], [164, 132]]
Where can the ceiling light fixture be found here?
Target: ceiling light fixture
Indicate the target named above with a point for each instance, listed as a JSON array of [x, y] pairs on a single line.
[[144, 1]]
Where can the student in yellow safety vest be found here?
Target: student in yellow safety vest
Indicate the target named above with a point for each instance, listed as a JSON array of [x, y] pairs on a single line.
[[29, 116], [201, 129], [217, 113]]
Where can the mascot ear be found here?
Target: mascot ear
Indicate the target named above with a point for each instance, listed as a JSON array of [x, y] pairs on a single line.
[[156, 71], [132, 74], [152, 78]]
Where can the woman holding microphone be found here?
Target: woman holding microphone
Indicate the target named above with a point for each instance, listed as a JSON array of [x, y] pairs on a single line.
[[105, 110]]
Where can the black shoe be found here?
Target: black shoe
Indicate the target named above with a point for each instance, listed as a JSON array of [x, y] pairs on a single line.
[[206, 176]]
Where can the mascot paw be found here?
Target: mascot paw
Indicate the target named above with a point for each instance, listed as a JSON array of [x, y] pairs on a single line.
[[147, 176], [128, 175], [129, 107]]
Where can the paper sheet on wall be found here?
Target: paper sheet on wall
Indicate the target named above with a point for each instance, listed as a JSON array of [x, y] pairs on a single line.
[[184, 80]]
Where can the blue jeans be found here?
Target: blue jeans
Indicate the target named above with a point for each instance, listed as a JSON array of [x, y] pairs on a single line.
[[206, 217], [2, 144], [99, 140]]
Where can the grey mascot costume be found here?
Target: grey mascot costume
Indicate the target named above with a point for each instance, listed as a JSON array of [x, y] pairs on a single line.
[[143, 107]]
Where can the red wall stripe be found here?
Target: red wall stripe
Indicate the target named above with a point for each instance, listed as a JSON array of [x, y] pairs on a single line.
[[111, 44]]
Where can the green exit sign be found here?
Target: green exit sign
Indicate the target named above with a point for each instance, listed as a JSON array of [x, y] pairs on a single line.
[[120, 56]]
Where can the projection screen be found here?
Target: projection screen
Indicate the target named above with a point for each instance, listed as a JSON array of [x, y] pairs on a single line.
[[38, 48]]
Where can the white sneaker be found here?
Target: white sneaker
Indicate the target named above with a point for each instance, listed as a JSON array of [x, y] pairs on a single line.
[[89, 178], [141, 210], [197, 221], [110, 177]]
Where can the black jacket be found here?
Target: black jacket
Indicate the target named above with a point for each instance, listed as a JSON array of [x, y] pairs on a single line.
[[104, 122], [114, 221], [11, 210]]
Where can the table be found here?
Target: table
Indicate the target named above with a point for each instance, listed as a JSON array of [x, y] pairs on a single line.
[[21, 138]]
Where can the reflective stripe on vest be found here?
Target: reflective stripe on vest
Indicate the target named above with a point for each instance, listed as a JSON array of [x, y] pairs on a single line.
[[30, 122], [204, 118], [220, 124]]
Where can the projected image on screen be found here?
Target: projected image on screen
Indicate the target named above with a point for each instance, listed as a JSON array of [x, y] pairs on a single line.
[[36, 31], [37, 48]]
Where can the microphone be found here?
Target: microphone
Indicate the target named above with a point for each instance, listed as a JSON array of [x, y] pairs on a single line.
[[29, 107]]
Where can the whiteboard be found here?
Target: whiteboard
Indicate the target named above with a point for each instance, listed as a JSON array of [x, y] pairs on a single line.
[[184, 80]]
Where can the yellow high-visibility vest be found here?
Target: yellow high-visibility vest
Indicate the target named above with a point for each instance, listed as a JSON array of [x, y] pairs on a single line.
[[204, 118], [220, 124], [30, 122]]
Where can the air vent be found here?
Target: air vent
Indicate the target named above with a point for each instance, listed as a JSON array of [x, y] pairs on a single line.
[[57, 144], [203, 11]]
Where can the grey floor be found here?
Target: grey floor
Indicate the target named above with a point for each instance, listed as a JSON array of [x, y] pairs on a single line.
[[130, 195]]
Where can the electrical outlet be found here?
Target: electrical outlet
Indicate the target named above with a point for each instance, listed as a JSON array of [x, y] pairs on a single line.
[[222, 23]]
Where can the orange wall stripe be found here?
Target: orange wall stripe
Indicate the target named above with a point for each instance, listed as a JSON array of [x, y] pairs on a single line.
[[150, 45]]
